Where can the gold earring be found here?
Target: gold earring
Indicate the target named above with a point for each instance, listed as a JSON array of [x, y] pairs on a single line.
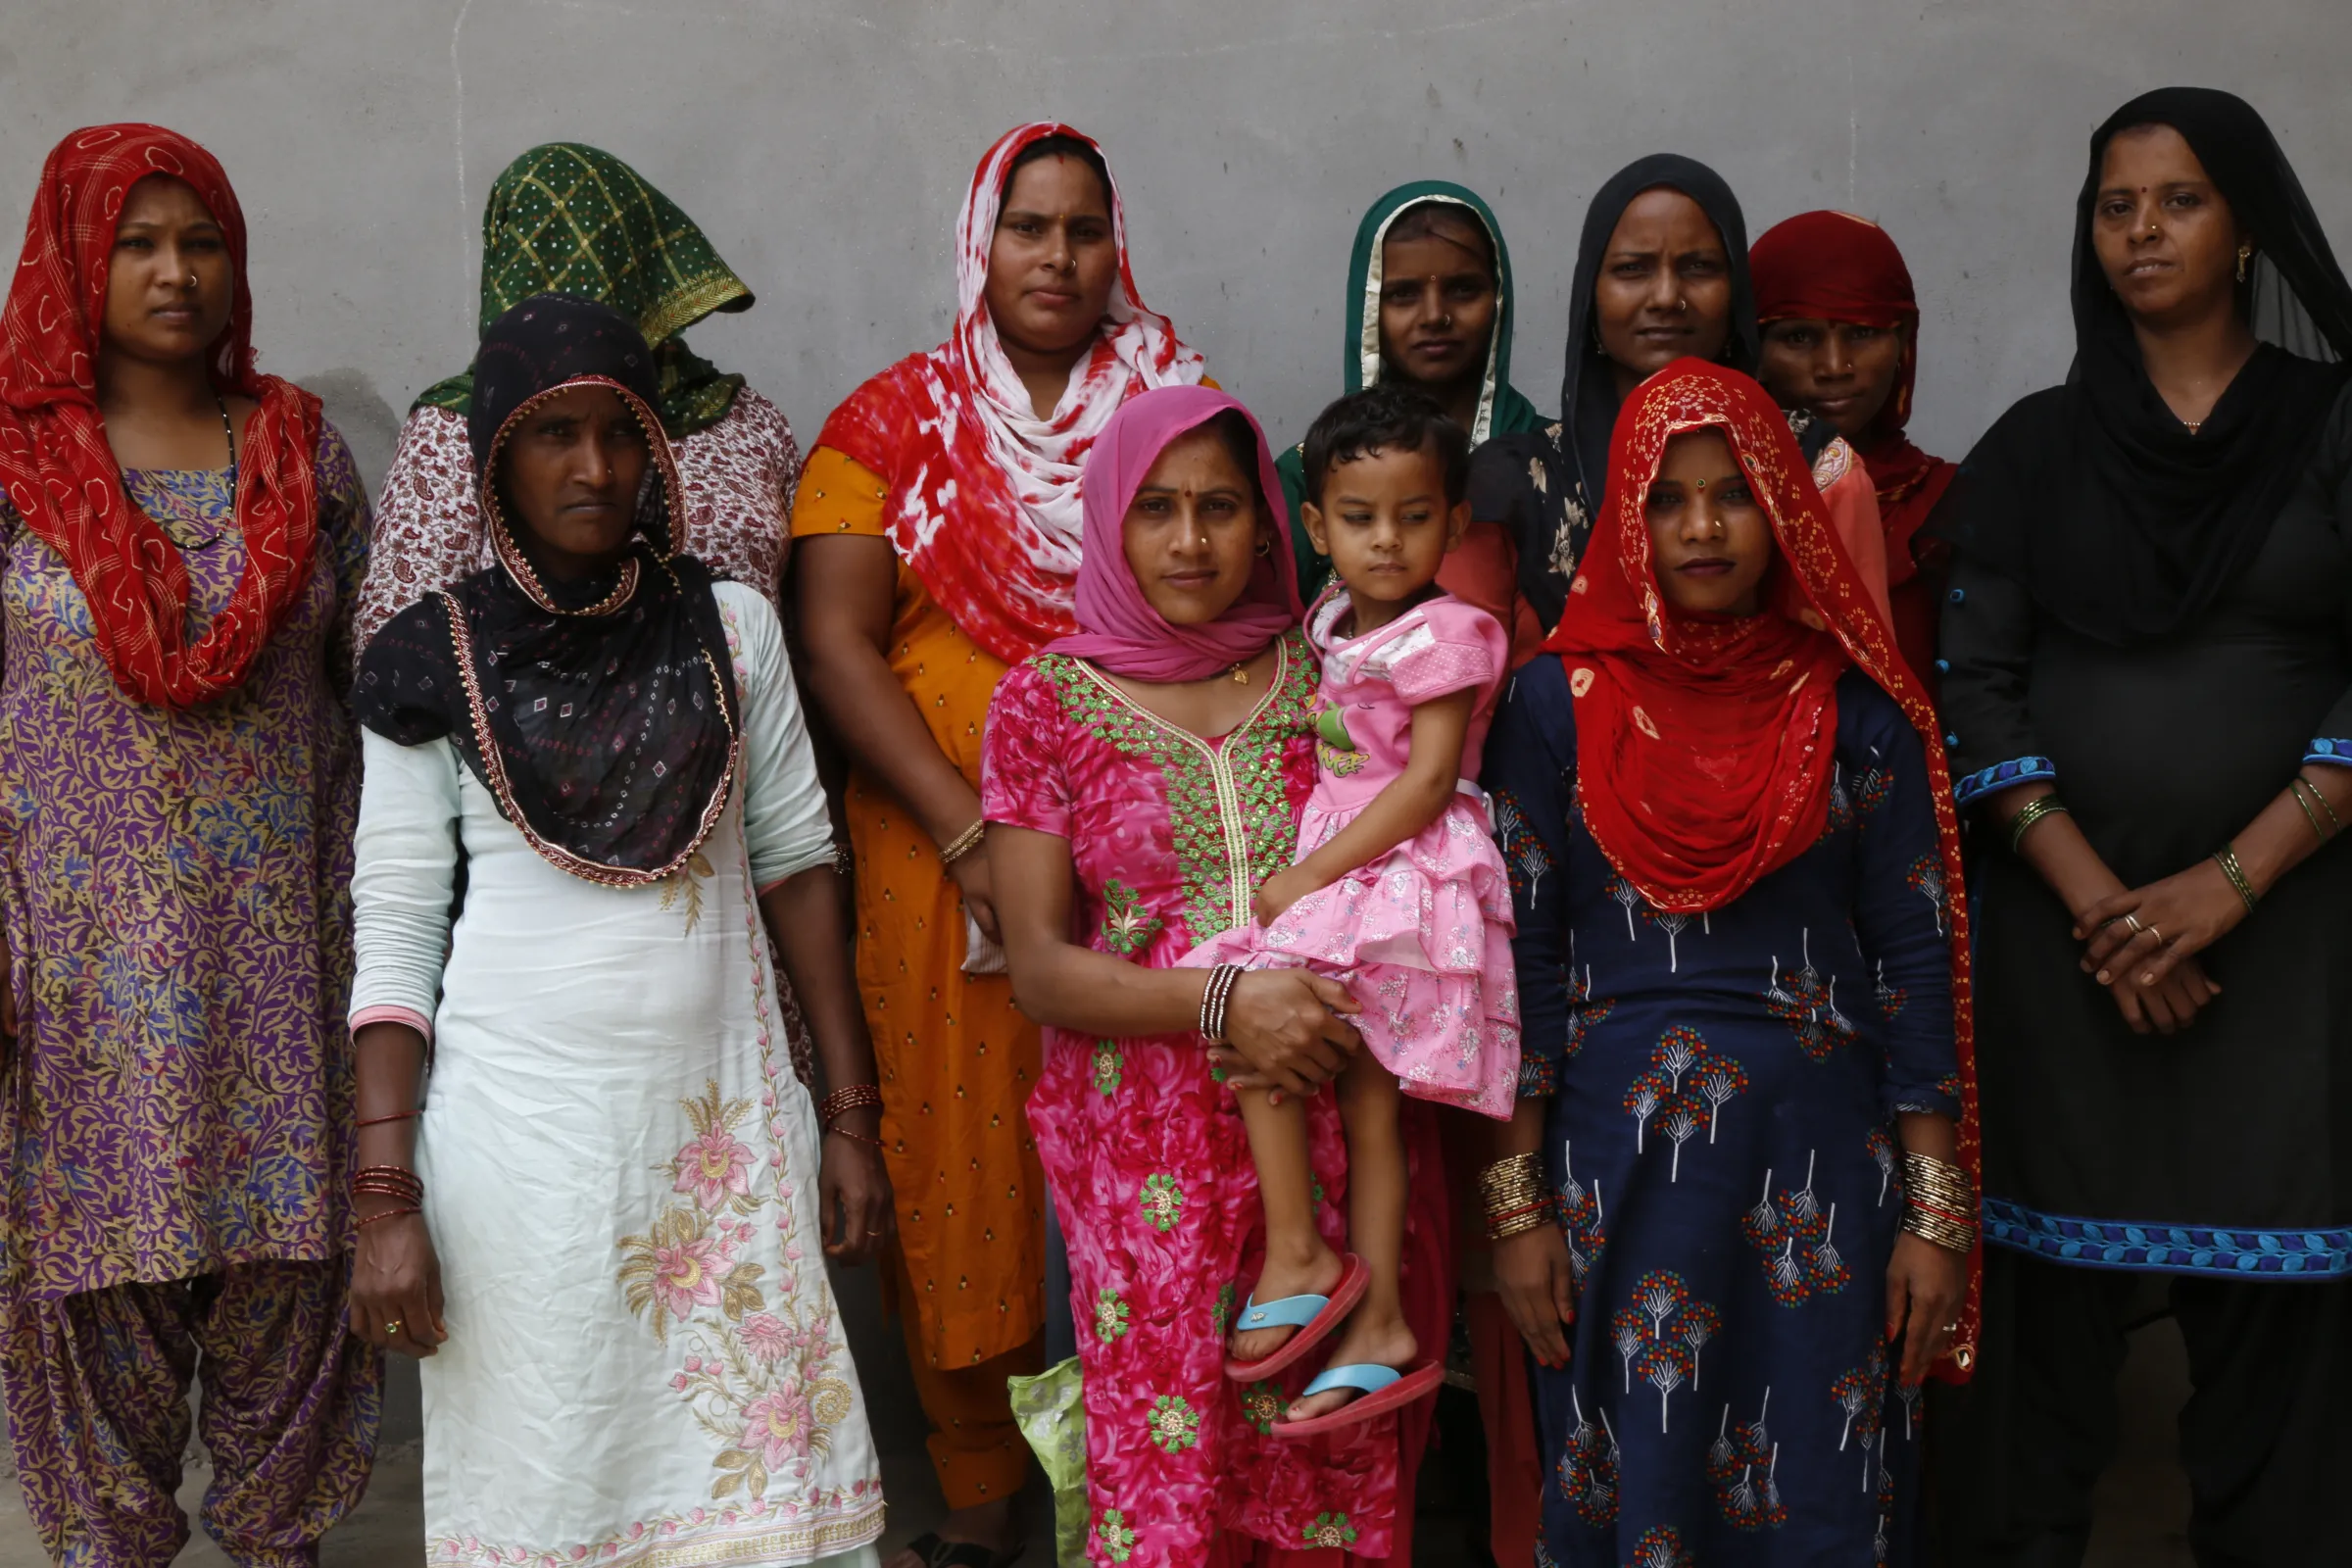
[[2246, 254]]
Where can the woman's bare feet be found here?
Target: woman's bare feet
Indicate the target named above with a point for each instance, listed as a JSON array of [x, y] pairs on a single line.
[[1380, 1341], [996, 1526], [1313, 1272]]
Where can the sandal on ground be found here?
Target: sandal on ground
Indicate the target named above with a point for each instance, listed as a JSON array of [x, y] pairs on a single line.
[[1385, 1389], [1314, 1316], [937, 1553]]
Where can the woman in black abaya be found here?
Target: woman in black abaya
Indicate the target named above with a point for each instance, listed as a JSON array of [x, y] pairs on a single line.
[[2149, 696]]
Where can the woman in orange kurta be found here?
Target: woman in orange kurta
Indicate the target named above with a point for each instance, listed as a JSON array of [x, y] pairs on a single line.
[[938, 533]]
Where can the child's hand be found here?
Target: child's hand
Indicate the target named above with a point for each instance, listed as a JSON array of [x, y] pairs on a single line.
[[1280, 890]]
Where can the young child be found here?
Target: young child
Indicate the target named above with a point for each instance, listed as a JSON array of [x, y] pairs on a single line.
[[1398, 892]]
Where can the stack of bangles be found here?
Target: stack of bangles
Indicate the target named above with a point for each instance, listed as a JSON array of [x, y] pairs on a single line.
[[2307, 796], [1512, 1193], [2030, 812], [389, 1181], [964, 843], [1214, 997], [1940, 1206], [841, 1101]]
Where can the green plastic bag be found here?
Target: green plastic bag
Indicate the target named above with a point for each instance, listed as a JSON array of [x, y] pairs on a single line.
[[1053, 1417]]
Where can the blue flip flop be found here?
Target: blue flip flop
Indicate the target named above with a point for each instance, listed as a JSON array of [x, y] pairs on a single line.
[[1314, 1316], [1384, 1388]]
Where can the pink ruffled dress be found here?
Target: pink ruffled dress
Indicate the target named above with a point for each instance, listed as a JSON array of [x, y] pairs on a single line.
[[1422, 936]]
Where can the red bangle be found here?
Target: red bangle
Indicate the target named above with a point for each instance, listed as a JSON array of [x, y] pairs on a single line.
[[848, 1098], [401, 1116], [389, 1213], [843, 1132]]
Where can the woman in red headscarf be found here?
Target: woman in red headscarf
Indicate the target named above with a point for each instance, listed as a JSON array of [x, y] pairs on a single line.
[[181, 543], [1742, 959], [1842, 341]]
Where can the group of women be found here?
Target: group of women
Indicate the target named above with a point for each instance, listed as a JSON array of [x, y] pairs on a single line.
[[1978, 812]]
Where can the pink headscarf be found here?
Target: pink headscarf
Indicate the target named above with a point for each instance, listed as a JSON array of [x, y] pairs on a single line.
[[1117, 627]]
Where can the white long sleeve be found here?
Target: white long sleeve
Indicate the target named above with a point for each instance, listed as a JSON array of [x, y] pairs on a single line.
[[785, 827], [405, 855]]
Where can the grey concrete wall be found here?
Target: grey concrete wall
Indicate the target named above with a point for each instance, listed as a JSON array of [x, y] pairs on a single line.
[[825, 144]]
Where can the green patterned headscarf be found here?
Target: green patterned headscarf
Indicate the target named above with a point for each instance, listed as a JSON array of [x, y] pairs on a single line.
[[568, 218]]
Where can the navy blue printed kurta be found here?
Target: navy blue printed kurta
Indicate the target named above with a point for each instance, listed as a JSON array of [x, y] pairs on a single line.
[[1723, 1092]]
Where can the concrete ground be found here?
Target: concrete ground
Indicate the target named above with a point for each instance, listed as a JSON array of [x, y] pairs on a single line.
[[2143, 1502]]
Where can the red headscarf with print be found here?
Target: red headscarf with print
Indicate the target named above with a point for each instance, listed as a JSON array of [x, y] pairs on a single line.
[[986, 509], [58, 472], [1835, 267], [1704, 744]]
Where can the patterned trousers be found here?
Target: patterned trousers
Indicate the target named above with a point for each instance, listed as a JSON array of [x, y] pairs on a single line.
[[97, 1391]]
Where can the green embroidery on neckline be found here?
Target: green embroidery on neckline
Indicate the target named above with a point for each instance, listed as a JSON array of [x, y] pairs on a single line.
[[1267, 824]]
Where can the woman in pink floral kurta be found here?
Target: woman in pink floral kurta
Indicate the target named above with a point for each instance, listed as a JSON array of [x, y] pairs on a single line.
[[1138, 838], [1142, 1144]]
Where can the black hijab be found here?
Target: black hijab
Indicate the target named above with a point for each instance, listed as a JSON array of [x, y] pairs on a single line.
[[2123, 524], [600, 714], [1546, 486]]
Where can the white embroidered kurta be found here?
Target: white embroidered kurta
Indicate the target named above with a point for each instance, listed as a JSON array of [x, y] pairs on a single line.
[[645, 1364]]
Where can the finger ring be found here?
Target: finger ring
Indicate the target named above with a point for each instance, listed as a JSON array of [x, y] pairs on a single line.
[[873, 1233], [2158, 934], [2133, 920], [392, 1329]]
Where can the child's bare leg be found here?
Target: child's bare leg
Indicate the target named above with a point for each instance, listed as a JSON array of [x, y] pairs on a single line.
[[1298, 1262], [1369, 1103]]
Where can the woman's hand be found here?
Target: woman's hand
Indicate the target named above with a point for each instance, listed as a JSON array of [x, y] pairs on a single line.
[[1286, 1025], [969, 873], [396, 1286], [1537, 1289], [1280, 890], [2169, 1006], [853, 1184], [1924, 1287], [2142, 934]]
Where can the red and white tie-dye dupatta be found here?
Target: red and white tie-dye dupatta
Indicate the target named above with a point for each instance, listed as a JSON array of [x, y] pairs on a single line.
[[984, 498]]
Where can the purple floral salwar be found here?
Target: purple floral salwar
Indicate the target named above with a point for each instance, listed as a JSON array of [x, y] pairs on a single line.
[[175, 1114], [97, 1400]]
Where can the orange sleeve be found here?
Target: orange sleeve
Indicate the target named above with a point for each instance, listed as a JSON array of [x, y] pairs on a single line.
[[838, 496]]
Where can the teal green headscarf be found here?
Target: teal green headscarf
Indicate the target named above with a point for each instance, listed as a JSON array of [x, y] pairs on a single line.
[[1501, 410]]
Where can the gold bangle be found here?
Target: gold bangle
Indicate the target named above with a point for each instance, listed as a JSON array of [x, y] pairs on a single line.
[[2335, 823], [1518, 1225], [1937, 1230], [2227, 858], [2300, 790], [2032, 812], [964, 843]]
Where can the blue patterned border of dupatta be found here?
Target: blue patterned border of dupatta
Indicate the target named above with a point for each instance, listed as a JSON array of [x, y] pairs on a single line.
[[2170, 1248], [2326, 749], [2000, 775]]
